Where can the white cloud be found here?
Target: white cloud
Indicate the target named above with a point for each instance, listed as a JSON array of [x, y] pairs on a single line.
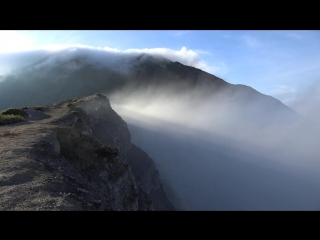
[[180, 33], [250, 41], [282, 89], [294, 36], [111, 49], [307, 102], [57, 47], [199, 51], [14, 41], [184, 56]]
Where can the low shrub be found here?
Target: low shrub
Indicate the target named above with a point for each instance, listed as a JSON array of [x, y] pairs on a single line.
[[73, 99], [75, 112], [39, 108], [10, 118], [14, 111], [100, 95], [106, 151]]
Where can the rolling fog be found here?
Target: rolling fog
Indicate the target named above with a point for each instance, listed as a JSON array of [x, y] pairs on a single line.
[[216, 158], [219, 152]]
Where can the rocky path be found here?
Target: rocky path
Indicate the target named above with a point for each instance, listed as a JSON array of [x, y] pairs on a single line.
[[75, 156], [25, 180]]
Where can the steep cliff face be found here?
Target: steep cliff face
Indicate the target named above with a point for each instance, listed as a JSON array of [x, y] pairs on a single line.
[[147, 177], [108, 127], [76, 155]]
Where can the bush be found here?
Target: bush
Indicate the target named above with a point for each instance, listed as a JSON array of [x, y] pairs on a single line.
[[10, 118], [100, 95], [105, 151], [14, 111], [12, 115], [39, 108]]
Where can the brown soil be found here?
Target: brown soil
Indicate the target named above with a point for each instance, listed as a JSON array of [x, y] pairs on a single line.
[[28, 179]]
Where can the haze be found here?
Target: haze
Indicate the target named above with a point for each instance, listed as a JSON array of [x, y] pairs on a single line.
[[218, 160], [215, 151]]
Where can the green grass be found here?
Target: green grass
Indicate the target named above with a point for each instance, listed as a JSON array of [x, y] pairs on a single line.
[[10, 118], [14, 111], [75, 111], [12, 115], [39, 108]]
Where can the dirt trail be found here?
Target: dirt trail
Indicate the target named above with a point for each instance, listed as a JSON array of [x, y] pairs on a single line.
[[74, 157], [25, 181], [23, 134]]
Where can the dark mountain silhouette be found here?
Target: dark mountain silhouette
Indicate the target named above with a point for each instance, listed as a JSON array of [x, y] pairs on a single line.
[[42, 83]]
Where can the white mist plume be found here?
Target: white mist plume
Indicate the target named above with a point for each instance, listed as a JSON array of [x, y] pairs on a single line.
[[204, 148], [308, 102], [11, 41], [184, 56], [203, 145], [213, 115], [52, 54]]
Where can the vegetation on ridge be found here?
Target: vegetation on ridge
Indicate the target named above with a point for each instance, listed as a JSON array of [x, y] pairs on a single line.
[[14, 111], [39, 108], [12, 115]]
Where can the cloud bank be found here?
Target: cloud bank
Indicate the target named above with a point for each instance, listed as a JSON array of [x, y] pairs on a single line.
[[307, 102], [185, 56], [12, 41], [217, 152], [217, 158]]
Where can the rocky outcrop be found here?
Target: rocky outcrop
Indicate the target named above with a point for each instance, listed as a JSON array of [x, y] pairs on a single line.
[[76, 155], [148, 178]]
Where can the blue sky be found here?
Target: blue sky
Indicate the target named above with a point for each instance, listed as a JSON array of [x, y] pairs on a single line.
[[283, 64]]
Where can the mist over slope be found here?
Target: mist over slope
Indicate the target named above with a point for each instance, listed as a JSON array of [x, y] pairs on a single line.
[[261, 170], [220, 146]]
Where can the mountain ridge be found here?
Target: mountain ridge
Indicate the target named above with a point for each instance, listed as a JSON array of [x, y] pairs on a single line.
[[42, 87], [55, 160], [230, 132]]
